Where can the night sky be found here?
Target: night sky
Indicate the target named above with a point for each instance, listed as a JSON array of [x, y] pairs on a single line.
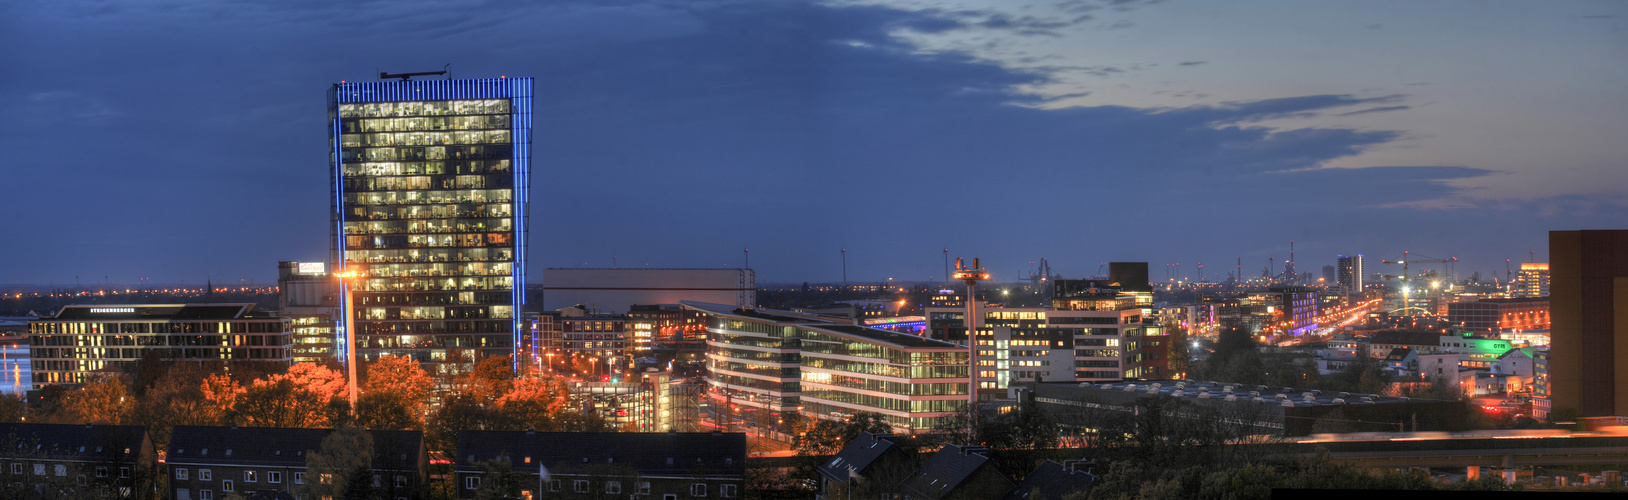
[[185, 141]]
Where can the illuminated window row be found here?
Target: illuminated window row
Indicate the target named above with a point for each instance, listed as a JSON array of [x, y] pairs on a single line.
[[427, 168]]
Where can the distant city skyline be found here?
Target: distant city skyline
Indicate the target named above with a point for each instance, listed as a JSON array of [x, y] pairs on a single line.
[[181, 144]]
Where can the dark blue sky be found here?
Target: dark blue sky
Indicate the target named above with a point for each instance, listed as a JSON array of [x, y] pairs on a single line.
[[182, 142]]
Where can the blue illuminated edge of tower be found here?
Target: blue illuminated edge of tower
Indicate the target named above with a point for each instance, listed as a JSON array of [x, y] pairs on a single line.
[[519, 93]]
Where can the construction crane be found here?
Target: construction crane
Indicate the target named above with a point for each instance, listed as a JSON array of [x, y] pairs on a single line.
[[1407, 278], [1040, 275]]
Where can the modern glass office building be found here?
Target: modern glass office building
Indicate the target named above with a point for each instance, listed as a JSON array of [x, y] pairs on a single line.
[[430, 189], [778, 361]]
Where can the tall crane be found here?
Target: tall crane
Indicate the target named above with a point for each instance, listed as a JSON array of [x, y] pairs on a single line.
[[1040, 275], [1407, 278]]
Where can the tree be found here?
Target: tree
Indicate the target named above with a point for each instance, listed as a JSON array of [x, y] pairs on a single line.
[[280, 403], [101, 402], [1180, 351], [344, 454], [147, 372], [323, 382], [387, 411], [532, 403], [398, 375], [491, 378], [499, 479], [12, 409], [220, 394]]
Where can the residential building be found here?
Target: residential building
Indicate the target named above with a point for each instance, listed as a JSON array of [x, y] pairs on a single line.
[[957, 472], [1052, 480], [431, 182], [1402, 360], [1442, 368], [1531, 281], [308, 295], [81, 339], [616, 290], [869, 465], [75, 461], [773, 361], [664, 465], [211, 463], [1588, 300], [1492, 316]]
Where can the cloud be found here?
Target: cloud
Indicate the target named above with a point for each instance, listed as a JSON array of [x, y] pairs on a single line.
[[1380, 109], [1192, 63], [800, 124]]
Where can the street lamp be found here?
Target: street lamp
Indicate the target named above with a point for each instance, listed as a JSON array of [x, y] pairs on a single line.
[[346, 277]]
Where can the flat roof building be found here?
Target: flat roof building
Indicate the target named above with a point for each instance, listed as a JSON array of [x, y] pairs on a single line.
[[431, 182], [780, 361], [1500, 315], [617, 290], [308, 296], [1256, 409], [82, 339]]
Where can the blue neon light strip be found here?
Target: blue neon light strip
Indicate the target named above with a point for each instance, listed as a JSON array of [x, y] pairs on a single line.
[[519, 93]]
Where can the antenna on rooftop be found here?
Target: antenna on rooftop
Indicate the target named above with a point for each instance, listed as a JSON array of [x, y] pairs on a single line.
[[409, 76]]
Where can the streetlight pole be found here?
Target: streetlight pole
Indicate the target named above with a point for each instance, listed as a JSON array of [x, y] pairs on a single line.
[[971, 276], [350, 332]]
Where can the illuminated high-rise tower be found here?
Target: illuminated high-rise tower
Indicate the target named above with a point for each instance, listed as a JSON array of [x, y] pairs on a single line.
[[1350, 275], [430, 181]]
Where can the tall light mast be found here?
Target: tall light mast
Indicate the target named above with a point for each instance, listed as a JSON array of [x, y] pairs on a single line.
[[971, 276]]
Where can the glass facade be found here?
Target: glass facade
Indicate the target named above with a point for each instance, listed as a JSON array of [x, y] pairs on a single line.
[[430, 196], [786, 363]]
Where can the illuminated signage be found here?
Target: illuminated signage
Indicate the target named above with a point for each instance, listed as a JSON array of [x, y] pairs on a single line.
[[313, 268], [112, 310]]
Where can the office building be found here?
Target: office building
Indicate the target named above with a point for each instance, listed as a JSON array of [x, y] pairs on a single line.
[[82, 339], [1588, 308], [1531, 281], [1350, 275], [781, 361], [308, 296], [1492, 316], [1093, 332], [1330, 276], [430, 188], [1293, 308]]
